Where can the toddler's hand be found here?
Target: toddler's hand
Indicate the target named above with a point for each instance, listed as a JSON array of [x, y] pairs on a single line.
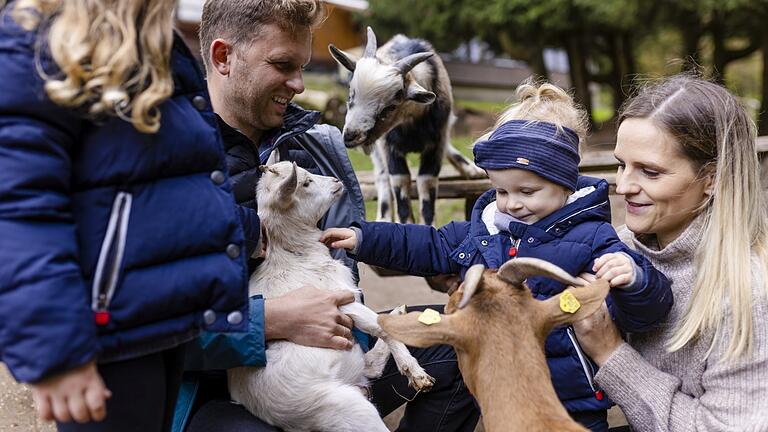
[[75, 395], [339, 238], [617, 268]]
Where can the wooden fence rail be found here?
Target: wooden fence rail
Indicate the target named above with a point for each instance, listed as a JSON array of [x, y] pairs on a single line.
[[596, 164]]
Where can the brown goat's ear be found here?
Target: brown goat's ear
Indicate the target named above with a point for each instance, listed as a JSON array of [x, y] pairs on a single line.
[[574, 304], [407, 329]]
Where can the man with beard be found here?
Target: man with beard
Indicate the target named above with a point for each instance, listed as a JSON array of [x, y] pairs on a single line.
[[254, 52]]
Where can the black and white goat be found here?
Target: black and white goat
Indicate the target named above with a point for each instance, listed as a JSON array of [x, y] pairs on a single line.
[[305, 388], [400, 102]]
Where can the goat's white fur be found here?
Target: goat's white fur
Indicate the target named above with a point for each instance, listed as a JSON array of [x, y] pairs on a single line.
[[375, 84], [305, 388]]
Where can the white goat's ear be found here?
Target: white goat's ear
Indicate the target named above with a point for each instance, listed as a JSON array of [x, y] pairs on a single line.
[[288, 186], [574, 304], [274, 157], [419, 94], [407, 329], [343, 58]]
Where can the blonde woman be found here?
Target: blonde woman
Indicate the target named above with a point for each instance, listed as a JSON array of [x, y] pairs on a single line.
[[120, 237], [689, 173], [539, 207]]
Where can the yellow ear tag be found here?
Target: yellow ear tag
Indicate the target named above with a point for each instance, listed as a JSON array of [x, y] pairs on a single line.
[[569, 303], [429, 317]]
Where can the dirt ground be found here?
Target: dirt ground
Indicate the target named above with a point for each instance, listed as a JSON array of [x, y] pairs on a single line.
[[381, 293]]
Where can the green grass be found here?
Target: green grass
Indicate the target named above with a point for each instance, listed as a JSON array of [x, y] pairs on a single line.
[[480, 105], [447, 210], [602, 114], [362, 162]]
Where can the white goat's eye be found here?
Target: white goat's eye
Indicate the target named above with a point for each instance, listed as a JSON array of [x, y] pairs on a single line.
[[306, 183]]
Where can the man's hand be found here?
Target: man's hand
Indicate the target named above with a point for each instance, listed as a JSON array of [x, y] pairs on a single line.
[[78, 394], [339, 238], [617, 268], [310, 316]]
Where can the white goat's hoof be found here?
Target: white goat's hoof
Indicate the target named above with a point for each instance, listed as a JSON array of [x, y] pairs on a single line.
[[400, 310], [421, 382], [418, 378]]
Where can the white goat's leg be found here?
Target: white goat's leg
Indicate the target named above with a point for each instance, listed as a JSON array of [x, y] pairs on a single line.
[[376, 358], [381, 180], [366, 320], [344, 408]]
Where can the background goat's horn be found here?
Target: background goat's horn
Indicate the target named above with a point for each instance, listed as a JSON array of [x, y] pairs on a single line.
[[472, 280], [404, 65], [517, 270], [370, 47]]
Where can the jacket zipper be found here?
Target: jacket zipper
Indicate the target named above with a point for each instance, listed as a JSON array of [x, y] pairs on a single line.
[[588, 371], [574, 214], [110, 260]]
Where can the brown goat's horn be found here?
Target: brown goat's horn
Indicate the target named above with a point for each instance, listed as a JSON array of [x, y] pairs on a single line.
[[370, 47], [472, 280], [404, 65], [517, 270], [288, 186]]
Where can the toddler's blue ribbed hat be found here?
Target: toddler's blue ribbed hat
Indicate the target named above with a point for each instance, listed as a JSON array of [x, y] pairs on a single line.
[[539, 147]]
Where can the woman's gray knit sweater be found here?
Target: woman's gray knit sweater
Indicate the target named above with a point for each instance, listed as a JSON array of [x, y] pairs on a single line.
[[685, 390]]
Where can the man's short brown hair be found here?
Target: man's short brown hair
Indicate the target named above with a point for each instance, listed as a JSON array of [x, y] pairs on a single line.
[[240, 21]]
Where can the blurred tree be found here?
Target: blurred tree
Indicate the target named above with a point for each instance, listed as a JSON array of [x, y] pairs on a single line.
[[599, 36]]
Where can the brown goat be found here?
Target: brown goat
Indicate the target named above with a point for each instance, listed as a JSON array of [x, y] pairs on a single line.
[[498, 331]]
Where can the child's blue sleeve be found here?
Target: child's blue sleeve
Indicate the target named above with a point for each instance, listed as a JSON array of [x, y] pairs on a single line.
[[419, 250], [641, 305]]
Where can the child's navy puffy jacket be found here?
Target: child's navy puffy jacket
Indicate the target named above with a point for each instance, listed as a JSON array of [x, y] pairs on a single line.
[[98, 216], [571, 238]]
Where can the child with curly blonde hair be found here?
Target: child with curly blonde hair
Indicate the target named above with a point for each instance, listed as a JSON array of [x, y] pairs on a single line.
[[539, 207]]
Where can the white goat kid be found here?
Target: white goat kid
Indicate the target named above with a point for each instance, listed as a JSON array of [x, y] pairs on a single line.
[[400, 101], [305, 388]]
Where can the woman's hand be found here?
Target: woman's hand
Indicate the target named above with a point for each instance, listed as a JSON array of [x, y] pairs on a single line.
[[598, 335], [78, 394], [339, 238]]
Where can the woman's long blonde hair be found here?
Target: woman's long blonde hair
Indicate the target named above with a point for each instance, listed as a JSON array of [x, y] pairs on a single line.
[[113, 55], [717, 135], [544, 102]]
